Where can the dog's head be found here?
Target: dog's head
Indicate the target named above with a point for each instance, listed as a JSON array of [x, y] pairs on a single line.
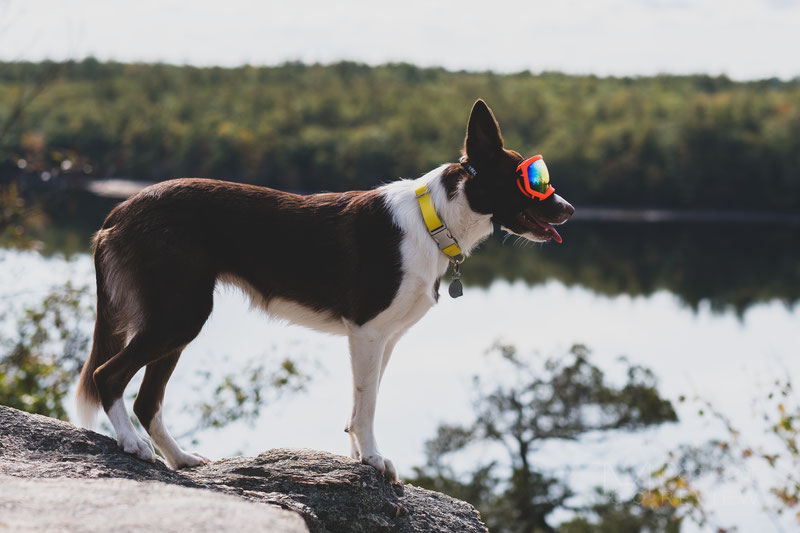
[[494, 190]]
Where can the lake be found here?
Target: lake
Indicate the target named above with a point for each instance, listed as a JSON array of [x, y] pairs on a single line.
[[711, 308]]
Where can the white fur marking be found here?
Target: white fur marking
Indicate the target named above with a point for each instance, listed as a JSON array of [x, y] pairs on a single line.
[[176, 457], [422, 259], [422, 264], [127, 438], [282, 308], [87, 411]]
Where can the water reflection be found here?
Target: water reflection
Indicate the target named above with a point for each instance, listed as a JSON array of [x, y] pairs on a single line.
[[732, 264], [727, 264]]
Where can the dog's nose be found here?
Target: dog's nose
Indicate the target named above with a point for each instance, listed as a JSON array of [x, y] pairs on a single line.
[[569, 209]]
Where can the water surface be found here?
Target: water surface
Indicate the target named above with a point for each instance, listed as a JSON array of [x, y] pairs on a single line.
[[711, 308]]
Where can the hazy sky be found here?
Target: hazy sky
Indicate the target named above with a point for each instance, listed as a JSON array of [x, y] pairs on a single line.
[[744, 39]]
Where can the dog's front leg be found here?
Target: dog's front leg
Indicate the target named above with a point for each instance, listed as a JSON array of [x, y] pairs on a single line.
[[387, 354], [366, 354]]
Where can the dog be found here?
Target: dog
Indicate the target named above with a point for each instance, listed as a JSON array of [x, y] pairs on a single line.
[[366, 264]]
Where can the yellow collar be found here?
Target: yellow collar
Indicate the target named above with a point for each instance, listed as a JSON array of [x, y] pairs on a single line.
[[438, 229]]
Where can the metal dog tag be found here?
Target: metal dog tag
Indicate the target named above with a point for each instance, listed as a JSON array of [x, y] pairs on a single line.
[[456, 289]]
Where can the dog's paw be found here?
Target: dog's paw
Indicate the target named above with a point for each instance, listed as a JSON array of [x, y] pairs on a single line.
[[187, 460], [391, 472], [384, 466], [136, 445]]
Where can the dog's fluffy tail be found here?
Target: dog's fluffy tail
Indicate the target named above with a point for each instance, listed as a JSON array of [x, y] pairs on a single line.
[[106, 344]]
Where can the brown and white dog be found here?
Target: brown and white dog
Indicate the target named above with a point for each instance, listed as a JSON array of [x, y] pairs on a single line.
[[359, 263]]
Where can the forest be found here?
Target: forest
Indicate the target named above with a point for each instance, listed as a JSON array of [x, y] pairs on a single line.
[[667, 141]]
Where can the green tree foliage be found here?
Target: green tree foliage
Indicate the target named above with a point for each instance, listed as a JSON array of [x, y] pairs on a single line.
[[608, 513], [240, 395], [17, 218], [763, 465], [566, 399], [41, 362], [658, 141]]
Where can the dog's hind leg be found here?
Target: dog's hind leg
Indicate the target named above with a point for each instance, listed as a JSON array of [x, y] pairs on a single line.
[[366, 353], [148, 408], [171, 312], [111, 379], [147, 347]]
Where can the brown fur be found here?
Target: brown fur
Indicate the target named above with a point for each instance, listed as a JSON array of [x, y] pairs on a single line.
[[106, 342], [166, 247], [452, 177]]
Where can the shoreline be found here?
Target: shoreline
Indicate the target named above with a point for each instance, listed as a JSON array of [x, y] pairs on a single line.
[[656, 216], [123, 188]]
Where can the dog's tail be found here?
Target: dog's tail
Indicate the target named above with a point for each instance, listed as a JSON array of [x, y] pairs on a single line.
[[106, 344]]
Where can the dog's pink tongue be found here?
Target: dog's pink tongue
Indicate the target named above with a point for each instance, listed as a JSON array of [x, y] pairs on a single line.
[[551, 230], [554, 234]]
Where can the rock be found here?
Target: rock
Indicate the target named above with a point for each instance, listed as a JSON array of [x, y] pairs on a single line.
[[100, 505], [331, 493]]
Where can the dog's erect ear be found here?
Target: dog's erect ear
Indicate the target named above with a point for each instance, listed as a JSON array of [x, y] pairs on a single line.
[[483, 140]]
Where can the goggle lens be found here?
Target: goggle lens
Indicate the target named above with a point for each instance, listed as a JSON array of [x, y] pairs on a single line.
[[538, 176], [534, 178]]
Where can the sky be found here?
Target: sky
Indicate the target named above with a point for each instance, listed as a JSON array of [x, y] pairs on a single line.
[[745, 39]]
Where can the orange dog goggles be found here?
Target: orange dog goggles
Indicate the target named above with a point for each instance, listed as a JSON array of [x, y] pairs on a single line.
[[534, 179]]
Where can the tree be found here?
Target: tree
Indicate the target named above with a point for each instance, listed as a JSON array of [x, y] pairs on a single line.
[[763, 464], [565, 399], [40, 363], [666, 141]]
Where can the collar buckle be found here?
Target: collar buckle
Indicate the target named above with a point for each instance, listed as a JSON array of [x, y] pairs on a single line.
[[442, 236]]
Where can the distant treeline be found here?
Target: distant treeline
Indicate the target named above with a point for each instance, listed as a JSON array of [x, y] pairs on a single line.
[[665, 141]]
